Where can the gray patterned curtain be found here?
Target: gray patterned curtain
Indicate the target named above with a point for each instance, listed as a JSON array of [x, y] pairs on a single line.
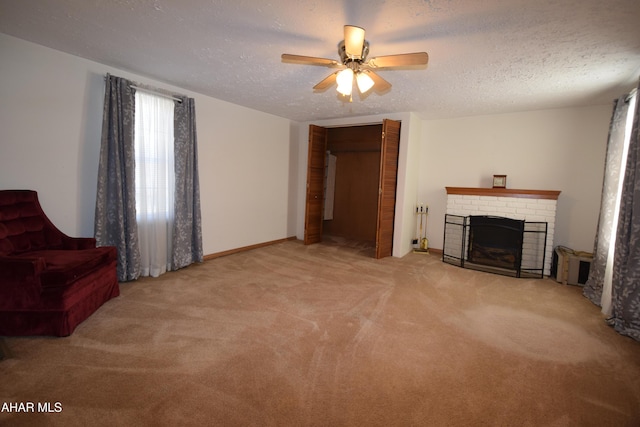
[[187, 231], [614, 279], [625, 295], [594, 286], [115, 218]]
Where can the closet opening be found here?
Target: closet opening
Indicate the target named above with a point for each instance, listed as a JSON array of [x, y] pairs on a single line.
[[352, 175], [351, 186]]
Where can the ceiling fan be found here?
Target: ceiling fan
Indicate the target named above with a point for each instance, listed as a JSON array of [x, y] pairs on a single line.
[[353, 64]]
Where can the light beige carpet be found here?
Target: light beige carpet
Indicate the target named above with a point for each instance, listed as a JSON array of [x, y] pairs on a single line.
[[325, 335]]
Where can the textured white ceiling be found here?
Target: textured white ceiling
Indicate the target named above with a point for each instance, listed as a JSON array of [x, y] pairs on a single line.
[[486, 56]]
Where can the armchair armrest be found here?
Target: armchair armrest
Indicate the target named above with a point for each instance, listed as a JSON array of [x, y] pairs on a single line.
[[76, 243], [20, 281]]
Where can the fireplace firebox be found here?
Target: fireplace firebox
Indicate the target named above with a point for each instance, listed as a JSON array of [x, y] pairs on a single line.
[[495, 244], [495, 241]]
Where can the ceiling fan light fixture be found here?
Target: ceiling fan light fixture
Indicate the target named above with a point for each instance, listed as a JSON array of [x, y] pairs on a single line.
[[364, 81], [355, 65], [353, 41], [344, 79]]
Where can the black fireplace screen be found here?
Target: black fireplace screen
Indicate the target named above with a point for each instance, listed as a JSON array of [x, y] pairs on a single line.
[[495, 244]]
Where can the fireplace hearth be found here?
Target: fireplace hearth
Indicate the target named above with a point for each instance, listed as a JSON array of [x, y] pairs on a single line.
[[527, 205], [495, 244]]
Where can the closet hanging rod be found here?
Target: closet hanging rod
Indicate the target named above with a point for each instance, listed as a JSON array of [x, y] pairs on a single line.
[[144, 89]]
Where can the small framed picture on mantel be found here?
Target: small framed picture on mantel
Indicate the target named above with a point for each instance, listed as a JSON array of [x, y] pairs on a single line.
[[499, 181]]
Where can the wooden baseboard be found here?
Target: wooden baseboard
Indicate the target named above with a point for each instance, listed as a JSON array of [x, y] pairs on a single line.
[[433, 251], [245, 248], [430, 251]]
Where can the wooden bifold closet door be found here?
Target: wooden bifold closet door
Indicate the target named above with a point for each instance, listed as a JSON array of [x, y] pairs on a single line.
[[387, 191], [315, 184]]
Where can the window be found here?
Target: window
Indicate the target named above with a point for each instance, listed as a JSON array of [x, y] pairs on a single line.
[[154, 180], [142, 162]]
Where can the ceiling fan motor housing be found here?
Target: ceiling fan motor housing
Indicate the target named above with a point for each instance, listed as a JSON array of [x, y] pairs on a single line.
[[345, 58]]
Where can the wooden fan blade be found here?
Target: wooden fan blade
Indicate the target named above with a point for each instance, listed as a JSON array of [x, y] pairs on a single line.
[[328, 81], [309, 60], [353, 41], [380, 84], [401, 60]]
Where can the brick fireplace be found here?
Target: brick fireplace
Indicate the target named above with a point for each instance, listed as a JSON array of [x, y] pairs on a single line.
[[527, 205]]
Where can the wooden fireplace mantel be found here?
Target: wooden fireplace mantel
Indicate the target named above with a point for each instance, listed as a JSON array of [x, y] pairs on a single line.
[[504, 192]]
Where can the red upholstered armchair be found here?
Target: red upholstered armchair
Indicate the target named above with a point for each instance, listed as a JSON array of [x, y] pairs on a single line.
[[49, 282]]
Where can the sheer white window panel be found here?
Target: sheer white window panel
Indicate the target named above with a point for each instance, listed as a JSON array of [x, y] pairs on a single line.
[[155, 183]]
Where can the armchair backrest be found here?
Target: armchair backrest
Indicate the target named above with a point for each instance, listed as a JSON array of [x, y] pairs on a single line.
[[23, 225]]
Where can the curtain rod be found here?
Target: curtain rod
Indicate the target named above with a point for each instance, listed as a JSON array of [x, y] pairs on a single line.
[[144, 89]]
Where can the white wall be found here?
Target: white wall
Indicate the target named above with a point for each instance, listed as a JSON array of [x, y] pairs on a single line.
[[253, 164], [559, 149], [50, 124]]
